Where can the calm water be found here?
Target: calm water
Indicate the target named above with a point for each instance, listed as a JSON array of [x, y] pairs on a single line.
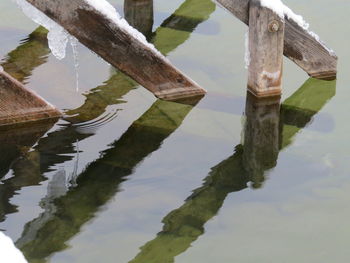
[[128, 178]]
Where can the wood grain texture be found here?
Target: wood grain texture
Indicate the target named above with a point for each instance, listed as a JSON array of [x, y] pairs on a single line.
[[266, 37], [20, 105], [299, 45], [121, 49]]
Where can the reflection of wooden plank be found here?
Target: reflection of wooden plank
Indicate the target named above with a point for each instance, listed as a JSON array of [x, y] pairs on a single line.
[[120, 48], [80, 204], [18, 104], [298, 110], [266, 36], [30, 54], [299, 45]]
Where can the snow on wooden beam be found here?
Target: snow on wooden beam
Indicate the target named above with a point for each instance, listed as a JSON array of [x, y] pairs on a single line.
[[101, 29], [20, 105], [300, 45]]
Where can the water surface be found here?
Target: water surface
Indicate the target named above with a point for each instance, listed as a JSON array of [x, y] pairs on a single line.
[[125, 177]]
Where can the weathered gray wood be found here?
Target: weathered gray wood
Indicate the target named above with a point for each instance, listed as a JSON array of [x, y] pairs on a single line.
[[299, 45], [139, 14], [266, 37], [19, 105], [120, 48]]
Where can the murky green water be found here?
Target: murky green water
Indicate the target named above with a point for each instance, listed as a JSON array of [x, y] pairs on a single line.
[[128, 178]]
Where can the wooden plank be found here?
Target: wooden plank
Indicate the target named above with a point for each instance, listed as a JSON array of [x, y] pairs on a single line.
[[266, 37], [300, 46], [19, 105], [120, 48]]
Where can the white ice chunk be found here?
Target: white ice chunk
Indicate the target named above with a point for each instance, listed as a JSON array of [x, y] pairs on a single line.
[[57, 36], [8, 252]]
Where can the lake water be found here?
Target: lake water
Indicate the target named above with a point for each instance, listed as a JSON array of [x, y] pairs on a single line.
[[128, 178]]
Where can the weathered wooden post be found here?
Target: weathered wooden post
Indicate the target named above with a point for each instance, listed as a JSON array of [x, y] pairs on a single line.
[[20, 105], [139, 14], [266, 39], [300, 45]]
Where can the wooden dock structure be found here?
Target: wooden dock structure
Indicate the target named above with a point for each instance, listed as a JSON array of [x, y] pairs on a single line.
[[270, 37]]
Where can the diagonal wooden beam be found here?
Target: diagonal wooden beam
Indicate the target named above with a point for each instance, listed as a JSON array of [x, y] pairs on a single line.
[[19, 104], [300, 45], [112, 40]]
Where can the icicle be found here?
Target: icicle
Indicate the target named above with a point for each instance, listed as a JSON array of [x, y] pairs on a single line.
[[74, 43], [57, 36]]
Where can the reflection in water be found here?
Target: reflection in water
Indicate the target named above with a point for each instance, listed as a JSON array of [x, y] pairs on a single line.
[[261, 136], [249, 162], [176, 29], [32, 53], [100, 181], [66, 210], [15, 145], [58, 147]]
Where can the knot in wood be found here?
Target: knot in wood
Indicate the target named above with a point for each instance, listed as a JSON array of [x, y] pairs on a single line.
[[274, 26]]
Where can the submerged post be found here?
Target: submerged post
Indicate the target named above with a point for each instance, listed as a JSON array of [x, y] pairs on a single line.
[[266, 39]]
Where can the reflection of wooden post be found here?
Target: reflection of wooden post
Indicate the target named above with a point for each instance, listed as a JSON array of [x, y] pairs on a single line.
[[261, 137], [139, 14], [266, 38]]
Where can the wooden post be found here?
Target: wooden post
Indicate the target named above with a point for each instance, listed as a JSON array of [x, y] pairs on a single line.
[[139, 14], [301, 46], [19, 105], [120, 48], [266, 37]]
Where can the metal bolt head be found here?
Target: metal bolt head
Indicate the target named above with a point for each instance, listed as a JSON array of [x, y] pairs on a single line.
[[274, 26]]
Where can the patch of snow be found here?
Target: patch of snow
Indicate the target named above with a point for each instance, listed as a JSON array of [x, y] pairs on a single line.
[[284, 11], [57, 36], [106, 9], [270, 75], [8, 252]]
